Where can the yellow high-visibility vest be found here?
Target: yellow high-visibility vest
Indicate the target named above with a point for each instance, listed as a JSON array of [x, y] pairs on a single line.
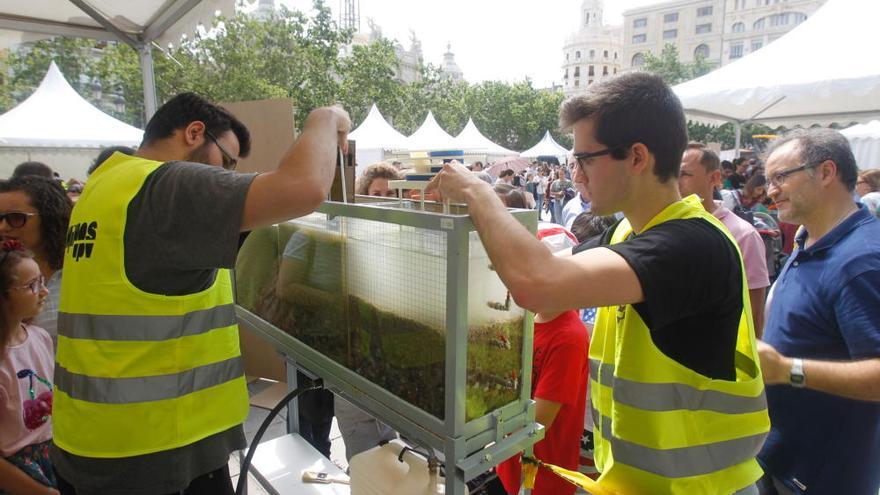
[[137, 372], [661, 428]]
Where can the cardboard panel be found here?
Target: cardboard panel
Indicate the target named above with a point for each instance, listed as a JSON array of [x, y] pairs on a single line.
[[272, 131]]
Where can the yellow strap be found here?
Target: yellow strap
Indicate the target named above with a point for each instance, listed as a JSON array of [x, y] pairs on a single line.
[[530, 470]]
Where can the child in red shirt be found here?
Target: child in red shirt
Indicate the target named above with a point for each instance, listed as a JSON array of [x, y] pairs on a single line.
[[559, 387]]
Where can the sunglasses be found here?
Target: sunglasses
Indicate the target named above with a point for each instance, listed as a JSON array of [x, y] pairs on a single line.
[[15, 219], [229, 163], [34, 285]]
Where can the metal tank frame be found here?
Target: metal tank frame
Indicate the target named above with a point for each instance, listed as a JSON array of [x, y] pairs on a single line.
[[469, 448]]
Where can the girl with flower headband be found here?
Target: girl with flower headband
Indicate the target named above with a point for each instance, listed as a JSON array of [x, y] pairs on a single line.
[[26, 373]]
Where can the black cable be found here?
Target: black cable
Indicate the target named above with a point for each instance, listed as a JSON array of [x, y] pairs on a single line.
[[245, 466]]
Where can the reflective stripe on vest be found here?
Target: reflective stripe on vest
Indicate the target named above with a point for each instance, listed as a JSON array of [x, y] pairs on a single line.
[[145, 328], [683, 462], [672, 396], [146, 388]]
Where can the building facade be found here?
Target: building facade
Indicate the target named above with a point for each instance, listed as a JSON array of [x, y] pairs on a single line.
[[721, 31], [593, 53], [751, 24]]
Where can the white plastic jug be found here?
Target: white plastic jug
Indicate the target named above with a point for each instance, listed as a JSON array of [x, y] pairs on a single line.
[[379, 472]]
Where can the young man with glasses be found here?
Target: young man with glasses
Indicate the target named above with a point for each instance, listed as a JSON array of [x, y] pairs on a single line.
[[821, 349], [150, 391], [677, 396]]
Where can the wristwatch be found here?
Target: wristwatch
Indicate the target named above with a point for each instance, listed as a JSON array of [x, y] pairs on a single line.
[[796, 376]]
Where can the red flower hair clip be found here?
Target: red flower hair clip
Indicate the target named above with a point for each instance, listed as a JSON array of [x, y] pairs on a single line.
[[12, 245]]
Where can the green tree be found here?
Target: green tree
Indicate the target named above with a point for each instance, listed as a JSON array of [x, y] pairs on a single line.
[[671, 69], [516, 115], [367, 77], [28, 66], [726, 134], [244, 58]]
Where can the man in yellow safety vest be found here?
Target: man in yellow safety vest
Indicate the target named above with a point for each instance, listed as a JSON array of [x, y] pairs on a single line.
[[150, 393], [676, 390]]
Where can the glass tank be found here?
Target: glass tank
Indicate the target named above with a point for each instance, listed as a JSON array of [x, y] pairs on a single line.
[[373, 295]]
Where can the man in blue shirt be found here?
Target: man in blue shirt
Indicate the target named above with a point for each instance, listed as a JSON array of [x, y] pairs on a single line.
[[821, 349]]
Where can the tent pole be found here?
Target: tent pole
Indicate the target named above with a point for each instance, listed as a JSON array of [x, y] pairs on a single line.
[[737, 126], [145, 54]]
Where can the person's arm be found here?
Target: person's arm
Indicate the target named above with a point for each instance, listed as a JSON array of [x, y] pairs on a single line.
[[756, 298], [303, 180], [858, 318], [596, 277], [546, 411], [858, 380], [15, 481]]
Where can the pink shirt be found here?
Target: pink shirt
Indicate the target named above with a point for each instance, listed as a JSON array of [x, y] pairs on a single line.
[[750, 245], [34, 354]]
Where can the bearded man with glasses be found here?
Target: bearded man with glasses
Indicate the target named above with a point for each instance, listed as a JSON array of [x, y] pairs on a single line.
[[821, 349], [150, 389]]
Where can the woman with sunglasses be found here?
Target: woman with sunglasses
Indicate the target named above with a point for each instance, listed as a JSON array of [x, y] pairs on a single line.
[[35, 211]]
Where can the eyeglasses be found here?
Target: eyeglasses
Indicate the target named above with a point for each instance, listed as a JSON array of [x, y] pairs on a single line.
[[34, 285], [229, 163], [778, 179], [583, 158], [15, 219]]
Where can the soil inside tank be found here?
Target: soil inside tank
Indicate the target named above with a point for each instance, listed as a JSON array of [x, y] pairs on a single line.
[[404, 356]]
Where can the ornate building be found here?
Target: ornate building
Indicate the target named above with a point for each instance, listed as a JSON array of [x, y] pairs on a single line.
[[592, 53], [450, 69], [721, 31]]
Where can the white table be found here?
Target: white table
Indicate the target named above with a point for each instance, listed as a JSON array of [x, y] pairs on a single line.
[[282, 461]]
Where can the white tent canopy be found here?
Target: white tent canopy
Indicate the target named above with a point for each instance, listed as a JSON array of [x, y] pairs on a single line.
[[865, 142], [430, 136], [376, 133], [471, 139], [56, 116], [822, 71], [547, 146]]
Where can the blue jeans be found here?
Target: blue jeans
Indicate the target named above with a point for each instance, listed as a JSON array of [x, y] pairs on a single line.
[[557, 210]]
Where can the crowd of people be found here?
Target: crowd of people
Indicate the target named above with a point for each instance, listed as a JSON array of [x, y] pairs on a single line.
[[663, 362]]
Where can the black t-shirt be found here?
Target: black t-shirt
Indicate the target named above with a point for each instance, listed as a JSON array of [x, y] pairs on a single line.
[[691, 277]]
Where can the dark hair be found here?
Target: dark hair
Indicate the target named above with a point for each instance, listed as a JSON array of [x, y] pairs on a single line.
[[53, 205], [708, 159], [106, 153], [635, 107], [10, 256], [818, 145], [872, 178], [506, 173], [727, 165], [185, 108], [510, 196], [33, 168], [375, 171], [587, 226], [755, 181]]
